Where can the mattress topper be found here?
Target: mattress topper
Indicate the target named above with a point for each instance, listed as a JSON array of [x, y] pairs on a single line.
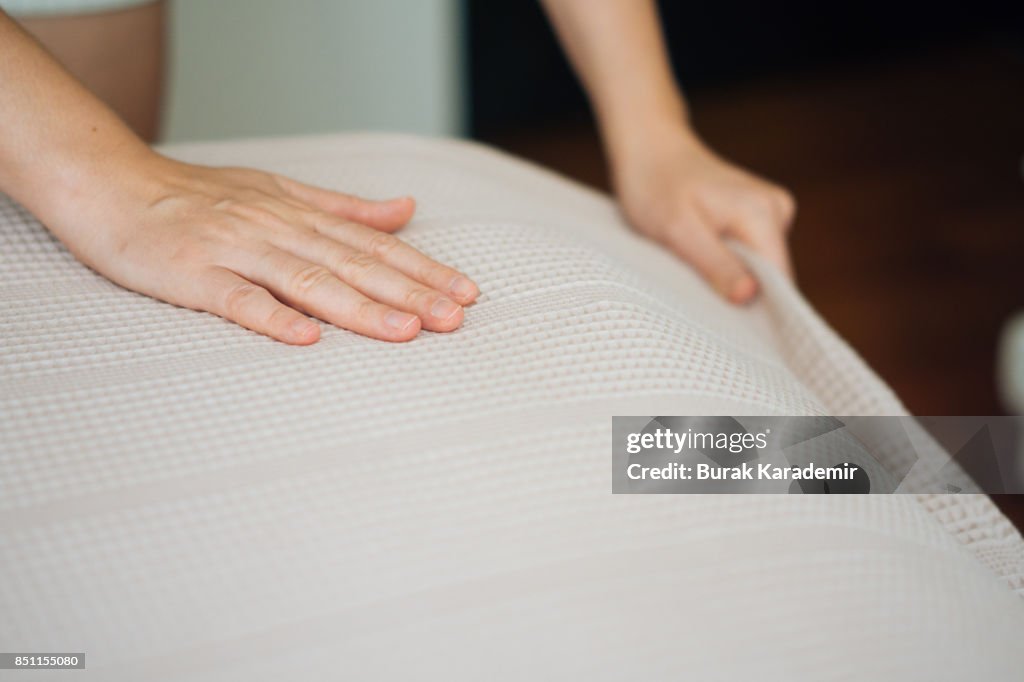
[[177, 493]]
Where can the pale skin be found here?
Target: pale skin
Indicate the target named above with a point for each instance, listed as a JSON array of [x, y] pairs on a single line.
[[255, 248], [275, 255], [670, 185]]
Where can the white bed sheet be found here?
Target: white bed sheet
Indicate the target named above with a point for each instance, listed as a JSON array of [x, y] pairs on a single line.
[[182, 499]]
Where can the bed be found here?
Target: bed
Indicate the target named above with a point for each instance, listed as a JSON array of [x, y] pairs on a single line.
[[181, 499]]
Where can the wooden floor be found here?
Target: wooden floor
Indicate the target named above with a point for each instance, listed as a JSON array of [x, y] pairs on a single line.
[[910, 234]]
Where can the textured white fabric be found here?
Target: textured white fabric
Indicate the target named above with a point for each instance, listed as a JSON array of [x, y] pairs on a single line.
[[183, 499]]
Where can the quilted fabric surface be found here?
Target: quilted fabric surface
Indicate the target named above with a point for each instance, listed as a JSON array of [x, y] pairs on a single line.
[[182, 499]]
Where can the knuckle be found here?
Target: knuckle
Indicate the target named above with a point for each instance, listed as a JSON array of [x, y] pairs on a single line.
[[413, 298], [701, 198], [226, 205], [320, 222], [357, 265], [786, 203], [382, 244], [221, 231], [757, 203], [365, 311], [260, 215], [247, 177], [442, 274], [328, 222], [776, 202], [431, 271], [238, 296], [308, 279], [782, 202], [660, 215], [682, 223], [190, 252], [265, 183], [279, 317]]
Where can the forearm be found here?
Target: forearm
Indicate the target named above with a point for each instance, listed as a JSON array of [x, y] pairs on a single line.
[[619, 53], [60, 146], [250, 246], [669, 184]]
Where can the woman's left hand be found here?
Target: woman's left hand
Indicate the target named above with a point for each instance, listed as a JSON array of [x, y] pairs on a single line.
[[682, 194]]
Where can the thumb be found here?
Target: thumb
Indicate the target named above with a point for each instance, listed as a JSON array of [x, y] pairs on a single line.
[[387, 215], [716, 262], [767, 238]]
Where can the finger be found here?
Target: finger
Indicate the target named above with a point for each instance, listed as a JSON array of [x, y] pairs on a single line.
[[400, 256], [766, 237], [785, 205], [380, 281], [314, 289], [722, 268], [239, 300], [388, 215]]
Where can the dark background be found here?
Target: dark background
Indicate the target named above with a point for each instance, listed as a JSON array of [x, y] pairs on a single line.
[[898, 126], [519, 76]]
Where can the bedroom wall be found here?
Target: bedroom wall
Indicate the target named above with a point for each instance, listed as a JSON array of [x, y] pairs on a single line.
[[266, 67]]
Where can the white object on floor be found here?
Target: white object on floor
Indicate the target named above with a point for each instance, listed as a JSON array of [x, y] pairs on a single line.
[[185, 500], [1011, 364]]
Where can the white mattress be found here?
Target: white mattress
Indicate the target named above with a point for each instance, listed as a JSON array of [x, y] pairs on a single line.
[[182, 499]]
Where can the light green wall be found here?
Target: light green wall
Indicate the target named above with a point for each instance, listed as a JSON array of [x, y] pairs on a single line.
[[244, 68]]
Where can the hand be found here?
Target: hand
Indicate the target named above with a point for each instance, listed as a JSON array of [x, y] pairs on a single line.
[[252, 247], [683, 195], [261, 250]]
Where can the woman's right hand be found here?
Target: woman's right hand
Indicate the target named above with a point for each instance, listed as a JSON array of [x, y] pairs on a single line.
[[263, 251]]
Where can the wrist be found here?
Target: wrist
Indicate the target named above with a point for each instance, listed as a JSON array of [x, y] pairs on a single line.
[[645, 145], [87, 184]]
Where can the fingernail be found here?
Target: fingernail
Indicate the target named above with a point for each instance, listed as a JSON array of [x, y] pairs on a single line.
[[743, 289], [302, 328], [399, 321], [461, 287], [443, 309]]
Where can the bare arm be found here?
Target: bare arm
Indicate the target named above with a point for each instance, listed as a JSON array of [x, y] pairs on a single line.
[[253, 247], [671, 186], [56, 135], [618, 51]]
